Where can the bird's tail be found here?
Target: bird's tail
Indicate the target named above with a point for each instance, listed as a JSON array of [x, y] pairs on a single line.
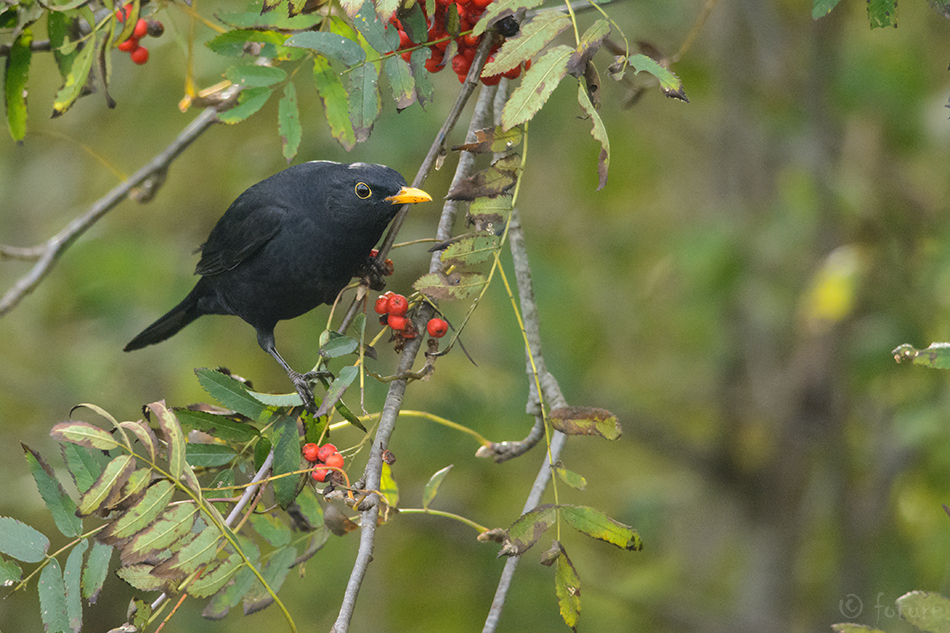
[[176, 318]]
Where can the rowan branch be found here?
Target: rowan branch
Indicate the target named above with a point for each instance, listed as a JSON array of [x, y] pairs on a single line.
[[151, 176]]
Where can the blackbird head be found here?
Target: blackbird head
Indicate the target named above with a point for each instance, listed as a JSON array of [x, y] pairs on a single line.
[[364, 193]]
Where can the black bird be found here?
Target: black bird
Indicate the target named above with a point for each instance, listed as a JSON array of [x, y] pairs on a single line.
[[286, 245]]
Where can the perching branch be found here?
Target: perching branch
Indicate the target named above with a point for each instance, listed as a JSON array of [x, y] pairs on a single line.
[[152, 174]]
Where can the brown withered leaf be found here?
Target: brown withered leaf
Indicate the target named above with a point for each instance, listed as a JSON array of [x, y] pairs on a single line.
[[592, 82], [493, 139], [488, 183], [586, 421], [590, 43]]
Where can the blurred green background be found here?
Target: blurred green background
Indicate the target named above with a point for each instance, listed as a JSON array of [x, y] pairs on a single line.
[[733, 295]]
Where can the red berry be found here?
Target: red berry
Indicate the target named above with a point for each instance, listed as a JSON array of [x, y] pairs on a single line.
[[128, 45], [397, 322], [334, 460], [406, 55], [310, 452], [404, 40], [491, 81], [437, 327], [398, 305], [382, 305], [122, 13], [481, 4], [320, 474], [140, 30], [139, 55], [513, 73], [527, 65], [471, 41], [325, 451], [460, 65], [434, 63]]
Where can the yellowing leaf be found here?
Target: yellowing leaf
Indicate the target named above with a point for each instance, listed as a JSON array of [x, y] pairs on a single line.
[[536, 86]]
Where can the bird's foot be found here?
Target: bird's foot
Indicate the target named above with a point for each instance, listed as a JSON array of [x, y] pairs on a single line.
[[303, 382], [374, 269]]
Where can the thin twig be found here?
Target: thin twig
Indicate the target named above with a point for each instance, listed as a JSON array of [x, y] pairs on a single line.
[[47, 254]]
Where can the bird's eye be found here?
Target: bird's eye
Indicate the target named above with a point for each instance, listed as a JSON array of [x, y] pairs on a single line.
[[363, 191]]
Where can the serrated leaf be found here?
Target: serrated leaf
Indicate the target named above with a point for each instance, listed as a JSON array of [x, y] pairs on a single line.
[[200, 455], [598, 525], [586, 421], [22, 542], [882, 13], [174, 437], [499, 9], [496, 139], [310, 508], [457, 285], [53, 598], [335, 104], [338, 345], [821, 8], [401, 82], [288, 122], [335, 392], [599, 132], [272, 529], [381, 36], [926, 610], [214, 576], [536, 86], [72, 576], [490, 182], [232, 43], [526, 531], [470, 250], [15, 81], [272, 19], [10, 573], [107, 488], [95, 571], [274, 573], [530, 40], [572, 479], [420, 74], [255, 75], [83, 464], [84, 434], [217, 425], [589, 44], [144, 435], [76, 79], [286, 460], [331, 45], [233, 593], [669, 83], [140, 576], [141, 513], [364, 100], [937, 356], [137, 482], [432, 486], [200, 550], [231, 393], [63, 30], [60, 505], [174, 524], [567, 587], [250, 101], [386, 9]]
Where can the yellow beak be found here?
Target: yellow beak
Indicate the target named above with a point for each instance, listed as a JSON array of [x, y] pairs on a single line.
[[409, 195]]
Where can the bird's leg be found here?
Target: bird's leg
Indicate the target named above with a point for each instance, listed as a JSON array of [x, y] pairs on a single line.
[[301, 381], [374, 269]]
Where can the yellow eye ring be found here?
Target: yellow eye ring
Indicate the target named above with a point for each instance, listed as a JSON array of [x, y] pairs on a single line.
[[363, 191]]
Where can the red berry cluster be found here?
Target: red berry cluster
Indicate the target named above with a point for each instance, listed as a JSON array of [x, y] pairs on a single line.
[[392, 309], [326, 455], [139, 54], [468, 11]]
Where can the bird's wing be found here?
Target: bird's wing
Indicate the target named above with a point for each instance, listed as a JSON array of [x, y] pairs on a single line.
[[243, 230]]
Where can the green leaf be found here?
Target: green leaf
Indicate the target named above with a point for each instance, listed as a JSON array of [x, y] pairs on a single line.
[[95, 571], [53, 598], [536, 86], [456, 285], [471, 249], [849, 627], [232, 43], [199, 551], [286, 460], [72, 575], [84, 434], [272, 529], [217, 425], [144, 435], [22, 542], [76, 79], [432, 486], [420, 74], [669, 83], [250, 101], [335, 105], [567, 587], [572, 479], [61, 27], [331, 45], [310, 508], [586, 421], [201, 455], [599, 132], [174, 524], [364, 100], [382, 39], [59, 504], [274, 573], [937, 356], [530, 41], [926, 610], [141, 513], [215, 575], [232, 594], [526, 531], [231, 393], [821, 8], [598, 525], [389, 488], [271, 19], [15, 80], [400, 81], [84, 465], [338, 345], [174, 437], [501, 8], [882, 13], [255, 75], [108, 487], [288, 122], [140, 576], [10, 573]]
